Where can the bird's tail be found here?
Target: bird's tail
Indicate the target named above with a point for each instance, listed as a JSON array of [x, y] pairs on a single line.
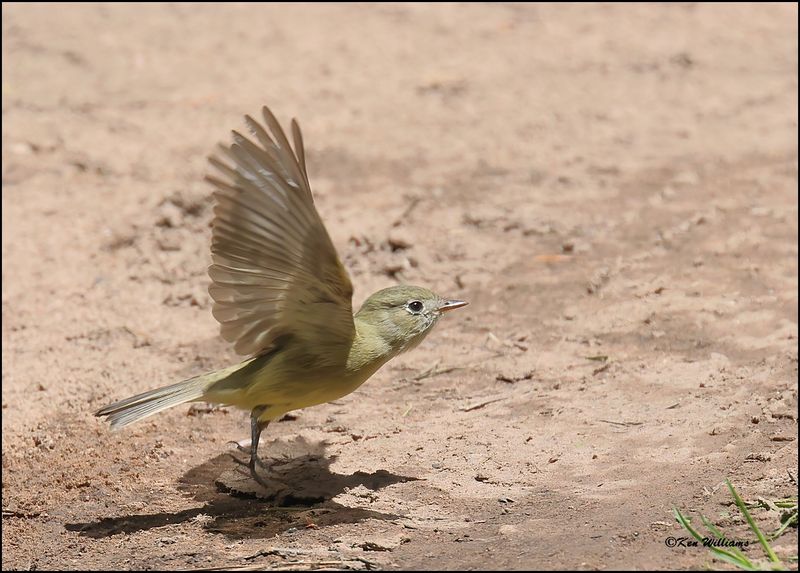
[[141, 406]]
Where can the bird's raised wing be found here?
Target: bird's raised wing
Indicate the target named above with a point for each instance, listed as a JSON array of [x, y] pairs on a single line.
[[275, 271]]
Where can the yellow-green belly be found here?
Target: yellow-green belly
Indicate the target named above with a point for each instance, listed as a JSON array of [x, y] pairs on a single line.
[[287, 381]]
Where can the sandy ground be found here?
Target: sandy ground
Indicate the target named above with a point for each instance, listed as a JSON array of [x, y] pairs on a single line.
[[611, 187]]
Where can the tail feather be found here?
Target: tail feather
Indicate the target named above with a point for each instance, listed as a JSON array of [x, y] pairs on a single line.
[[141, 406]]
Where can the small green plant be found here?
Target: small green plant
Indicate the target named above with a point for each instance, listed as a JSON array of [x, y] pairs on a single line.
[[734, 555], [787, 508]]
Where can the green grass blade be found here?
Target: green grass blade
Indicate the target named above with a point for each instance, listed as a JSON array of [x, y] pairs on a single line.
[[711, 527], [739, 560], [718, 534], [791, 521], [724, 556], [785, 503], [686, 525], [761, 539]]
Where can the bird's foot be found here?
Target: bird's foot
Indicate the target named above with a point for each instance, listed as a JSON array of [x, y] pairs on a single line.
[[258, 461], [268, 478], [271, 484], [242, 446]]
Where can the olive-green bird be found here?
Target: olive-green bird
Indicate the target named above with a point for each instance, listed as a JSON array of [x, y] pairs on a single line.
[[283, 297]]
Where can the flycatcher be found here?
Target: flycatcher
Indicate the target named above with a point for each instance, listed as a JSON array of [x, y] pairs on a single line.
[[283, 297]]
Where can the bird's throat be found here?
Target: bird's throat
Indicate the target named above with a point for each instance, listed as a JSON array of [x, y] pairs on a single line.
[[370, 349]]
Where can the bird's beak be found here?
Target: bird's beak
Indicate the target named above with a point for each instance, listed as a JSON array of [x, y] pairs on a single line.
[[451, 304]]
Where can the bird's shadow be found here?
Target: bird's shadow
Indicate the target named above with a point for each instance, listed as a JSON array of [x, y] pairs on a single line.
[[238, 507]]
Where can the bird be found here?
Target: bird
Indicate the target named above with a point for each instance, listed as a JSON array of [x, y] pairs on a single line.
[[282, 296]]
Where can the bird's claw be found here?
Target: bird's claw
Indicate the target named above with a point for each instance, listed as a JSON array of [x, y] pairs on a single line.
[[268, 484], [240, 447]]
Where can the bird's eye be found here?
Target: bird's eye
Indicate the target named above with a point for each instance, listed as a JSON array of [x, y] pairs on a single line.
[[415, 306]]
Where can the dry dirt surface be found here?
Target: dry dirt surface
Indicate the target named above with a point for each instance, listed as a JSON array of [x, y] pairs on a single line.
[[612, 187]]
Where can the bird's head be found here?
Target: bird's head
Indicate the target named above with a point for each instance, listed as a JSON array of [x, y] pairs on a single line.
[[403, 315]]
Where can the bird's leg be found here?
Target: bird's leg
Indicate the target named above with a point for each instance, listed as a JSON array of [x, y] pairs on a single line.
[[256, 428]]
